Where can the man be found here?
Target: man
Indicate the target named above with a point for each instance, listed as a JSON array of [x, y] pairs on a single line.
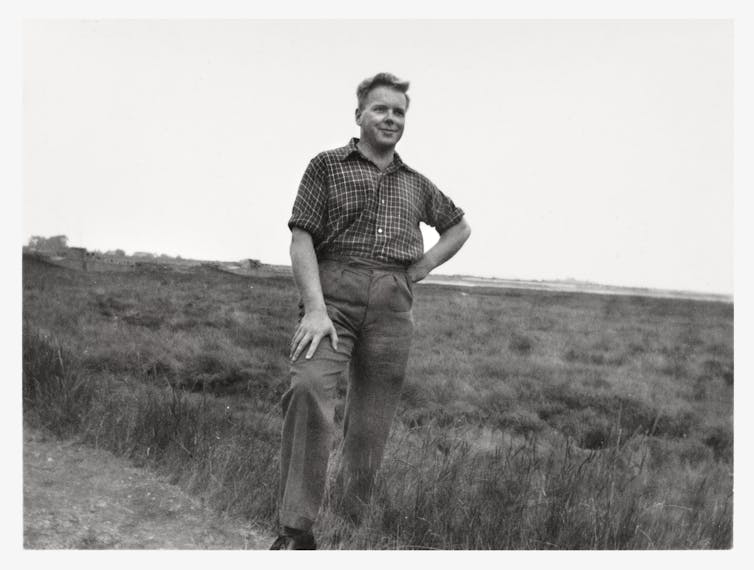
[[356, 251]]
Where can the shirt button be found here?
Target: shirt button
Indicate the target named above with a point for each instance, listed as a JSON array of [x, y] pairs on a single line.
[[383, 201], [379, 230]]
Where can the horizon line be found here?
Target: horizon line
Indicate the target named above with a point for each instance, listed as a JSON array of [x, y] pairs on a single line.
[[593, 285]]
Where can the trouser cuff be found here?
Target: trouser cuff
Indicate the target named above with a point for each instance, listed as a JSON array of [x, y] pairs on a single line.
[[295, 520]]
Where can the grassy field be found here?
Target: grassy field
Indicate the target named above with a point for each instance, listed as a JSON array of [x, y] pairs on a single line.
[[530, 420]]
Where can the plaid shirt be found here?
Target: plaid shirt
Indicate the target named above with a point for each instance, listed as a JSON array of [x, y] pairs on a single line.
[[353, 209]]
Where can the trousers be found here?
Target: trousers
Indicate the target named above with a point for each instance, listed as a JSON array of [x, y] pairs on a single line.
[[370, 305]]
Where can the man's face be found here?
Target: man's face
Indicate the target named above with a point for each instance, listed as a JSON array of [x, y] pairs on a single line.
[[382, 118]]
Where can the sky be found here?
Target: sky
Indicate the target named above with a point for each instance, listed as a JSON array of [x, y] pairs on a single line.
[[596, 150]]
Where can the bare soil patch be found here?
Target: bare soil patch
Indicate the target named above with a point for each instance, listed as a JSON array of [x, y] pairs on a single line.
[[78, 497]]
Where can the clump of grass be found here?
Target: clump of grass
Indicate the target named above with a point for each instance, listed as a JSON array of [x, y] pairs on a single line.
[[593, 356], [55, 393], [720, 440], [520, 343], [565, 403]]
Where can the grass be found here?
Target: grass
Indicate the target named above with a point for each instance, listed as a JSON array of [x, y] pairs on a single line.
[[529, 420]]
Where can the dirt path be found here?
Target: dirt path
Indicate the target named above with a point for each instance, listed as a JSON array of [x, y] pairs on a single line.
[[78, 497]]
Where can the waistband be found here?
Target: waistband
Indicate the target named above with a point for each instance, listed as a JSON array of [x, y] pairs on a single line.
[[364, 263]]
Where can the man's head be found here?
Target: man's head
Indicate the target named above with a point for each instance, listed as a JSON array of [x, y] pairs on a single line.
[[381, 113], [380, 80]]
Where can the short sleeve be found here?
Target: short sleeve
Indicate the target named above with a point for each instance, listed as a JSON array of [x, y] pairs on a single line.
[[441, 213], [310, 206]]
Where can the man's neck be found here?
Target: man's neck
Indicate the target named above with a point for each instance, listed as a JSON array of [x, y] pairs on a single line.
[[382, 158]]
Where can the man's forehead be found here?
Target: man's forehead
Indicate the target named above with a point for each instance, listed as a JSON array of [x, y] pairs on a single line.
[[385, 94]]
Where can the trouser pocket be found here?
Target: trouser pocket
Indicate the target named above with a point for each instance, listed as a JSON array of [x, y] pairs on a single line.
[[402, 297], [409, 283]]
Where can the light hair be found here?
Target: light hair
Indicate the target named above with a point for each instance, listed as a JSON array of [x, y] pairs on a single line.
[[380, 80]]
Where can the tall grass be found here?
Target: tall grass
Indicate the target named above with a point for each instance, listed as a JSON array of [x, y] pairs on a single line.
[[200, 443], [609, 430]]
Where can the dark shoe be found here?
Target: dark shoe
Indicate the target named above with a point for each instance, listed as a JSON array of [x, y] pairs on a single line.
[[294, 540]]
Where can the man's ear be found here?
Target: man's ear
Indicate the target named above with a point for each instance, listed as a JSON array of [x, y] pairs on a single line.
[[357, 116]]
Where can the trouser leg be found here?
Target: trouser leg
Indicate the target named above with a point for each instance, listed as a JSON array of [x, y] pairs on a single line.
[[308, 408], [377, 372]]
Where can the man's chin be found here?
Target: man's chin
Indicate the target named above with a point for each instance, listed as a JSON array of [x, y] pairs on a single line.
[[388, 141], [381, 144]]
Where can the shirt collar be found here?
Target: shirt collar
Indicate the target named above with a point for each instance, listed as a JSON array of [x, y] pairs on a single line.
[[350, 149]]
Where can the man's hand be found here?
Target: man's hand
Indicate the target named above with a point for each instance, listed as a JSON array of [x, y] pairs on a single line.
[[446, 247], [314, 326], [417, 272]]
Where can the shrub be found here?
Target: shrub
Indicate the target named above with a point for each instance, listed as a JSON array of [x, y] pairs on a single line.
[[520, 343], [720, 440]]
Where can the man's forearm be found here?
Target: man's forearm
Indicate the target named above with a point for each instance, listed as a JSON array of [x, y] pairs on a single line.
[[306, 270], [447, 246], [315, 324]]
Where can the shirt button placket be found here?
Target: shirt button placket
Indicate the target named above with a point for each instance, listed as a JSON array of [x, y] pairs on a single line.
[[383, 249], [380, 214]]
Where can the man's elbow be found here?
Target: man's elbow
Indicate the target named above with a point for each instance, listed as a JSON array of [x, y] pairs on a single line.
[[464, 229]]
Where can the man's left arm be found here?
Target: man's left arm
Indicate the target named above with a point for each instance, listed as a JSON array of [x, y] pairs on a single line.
[[446, 247]]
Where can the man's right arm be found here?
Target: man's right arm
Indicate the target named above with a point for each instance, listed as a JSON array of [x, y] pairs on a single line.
[[315, 324]]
